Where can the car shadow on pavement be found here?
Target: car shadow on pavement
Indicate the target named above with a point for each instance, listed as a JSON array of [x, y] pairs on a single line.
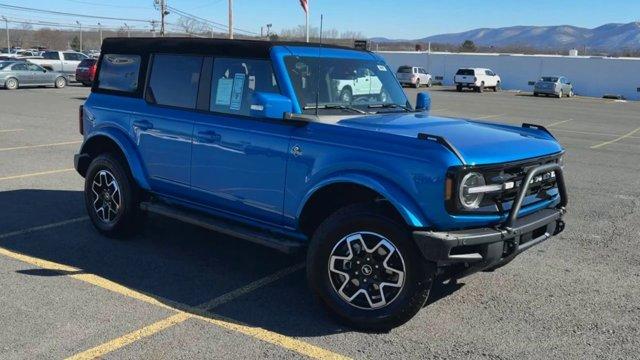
[[171, 261]]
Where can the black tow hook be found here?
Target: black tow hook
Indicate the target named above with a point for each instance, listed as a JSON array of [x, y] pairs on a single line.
[[559, 227]]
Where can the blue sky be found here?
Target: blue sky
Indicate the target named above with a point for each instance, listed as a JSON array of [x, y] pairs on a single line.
[[407, 19]]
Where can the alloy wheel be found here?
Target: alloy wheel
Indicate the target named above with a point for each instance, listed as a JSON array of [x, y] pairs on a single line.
[[107, 199], [366, 270]]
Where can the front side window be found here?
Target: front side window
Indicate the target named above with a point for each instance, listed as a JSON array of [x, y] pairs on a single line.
[[34, 67], [362, 85], [174, 80], [119, 72], [234, 81]]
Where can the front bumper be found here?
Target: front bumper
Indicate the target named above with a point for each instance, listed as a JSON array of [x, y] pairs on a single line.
[[487, 247]]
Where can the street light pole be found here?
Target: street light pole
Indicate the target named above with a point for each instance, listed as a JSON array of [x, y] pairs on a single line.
[[100, 31], [230, 19], [6, 25], [80, 25]]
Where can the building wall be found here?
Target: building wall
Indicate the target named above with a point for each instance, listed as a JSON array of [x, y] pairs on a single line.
[[591, 76]]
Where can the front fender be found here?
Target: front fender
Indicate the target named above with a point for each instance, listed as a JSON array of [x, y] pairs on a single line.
[[402, 202], [128, 149]]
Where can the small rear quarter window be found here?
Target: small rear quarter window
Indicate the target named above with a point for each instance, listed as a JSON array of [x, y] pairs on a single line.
[[119, 72]]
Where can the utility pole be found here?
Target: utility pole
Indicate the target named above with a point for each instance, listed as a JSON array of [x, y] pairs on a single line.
[[127, 27], [230, 19], [6, 25], [162, 6], [80, 25], [100, 31]]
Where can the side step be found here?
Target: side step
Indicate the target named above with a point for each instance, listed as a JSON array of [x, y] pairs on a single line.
[[272, 240]]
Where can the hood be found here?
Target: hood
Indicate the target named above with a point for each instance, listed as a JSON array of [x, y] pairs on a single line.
[[478, 142]]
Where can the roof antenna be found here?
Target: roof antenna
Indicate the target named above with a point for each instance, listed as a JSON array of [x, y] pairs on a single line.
[[318, 73]]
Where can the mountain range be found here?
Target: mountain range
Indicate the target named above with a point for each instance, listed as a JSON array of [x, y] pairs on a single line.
[[608, 37]]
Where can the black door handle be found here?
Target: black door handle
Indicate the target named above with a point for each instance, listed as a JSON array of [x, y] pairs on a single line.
[[209, 136]]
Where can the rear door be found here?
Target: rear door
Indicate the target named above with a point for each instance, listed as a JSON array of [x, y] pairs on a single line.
[[21, 72], [163, 128]]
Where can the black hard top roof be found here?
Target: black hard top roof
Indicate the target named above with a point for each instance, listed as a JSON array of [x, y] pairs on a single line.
[[185, 45]]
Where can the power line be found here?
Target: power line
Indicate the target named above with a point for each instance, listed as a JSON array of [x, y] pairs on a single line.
[[21, 8], [214, 24]]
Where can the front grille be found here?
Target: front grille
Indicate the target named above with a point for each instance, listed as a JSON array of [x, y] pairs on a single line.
[[544, 186]]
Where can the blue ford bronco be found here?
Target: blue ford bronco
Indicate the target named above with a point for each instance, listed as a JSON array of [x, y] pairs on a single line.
[[307, 146]]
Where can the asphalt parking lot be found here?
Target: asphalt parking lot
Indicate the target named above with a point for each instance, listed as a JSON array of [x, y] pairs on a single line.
[[177, 291]]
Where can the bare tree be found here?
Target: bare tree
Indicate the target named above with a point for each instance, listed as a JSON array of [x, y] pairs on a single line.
[[192, 26]]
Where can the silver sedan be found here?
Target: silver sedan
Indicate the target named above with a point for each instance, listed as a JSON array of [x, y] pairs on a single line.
[[15, 74], [558, 86]]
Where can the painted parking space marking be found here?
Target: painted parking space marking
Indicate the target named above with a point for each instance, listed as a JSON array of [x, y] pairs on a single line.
[[10, 130], [40, 146], [44, 227], [489, 116], [179, 318], [131, 337], [593, 133], [629, 134], [22, 176], [265, 335], [559, 122]]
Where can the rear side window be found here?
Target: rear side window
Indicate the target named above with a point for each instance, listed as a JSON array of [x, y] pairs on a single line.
[[119, 72], [51, 55], [465, 72], [174, 80], [234, 81]]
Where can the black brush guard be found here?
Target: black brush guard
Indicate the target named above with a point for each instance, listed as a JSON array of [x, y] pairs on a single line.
[[490, 247]]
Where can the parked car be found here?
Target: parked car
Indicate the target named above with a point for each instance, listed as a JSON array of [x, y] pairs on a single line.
[[359, 84], [477, 79], [558, 86], [249, 138], [414, 76], [65, 62], [17, 74], [86, 71]]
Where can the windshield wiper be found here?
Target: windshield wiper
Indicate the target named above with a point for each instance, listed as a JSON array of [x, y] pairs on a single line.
[[389, 106], [334, 106]]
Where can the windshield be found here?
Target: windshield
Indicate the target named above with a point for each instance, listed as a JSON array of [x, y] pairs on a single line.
[[359, 86], [405, 70], [549, 79], [468, 72]]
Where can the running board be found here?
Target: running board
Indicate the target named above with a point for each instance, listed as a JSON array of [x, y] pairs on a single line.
[[272, 240]]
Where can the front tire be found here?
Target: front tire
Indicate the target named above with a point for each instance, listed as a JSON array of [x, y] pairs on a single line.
[[366, 269], [11, 84], [111, 196], [497, 87]]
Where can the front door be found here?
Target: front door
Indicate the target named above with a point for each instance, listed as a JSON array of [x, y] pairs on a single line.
[[239, 163], [40, 75]]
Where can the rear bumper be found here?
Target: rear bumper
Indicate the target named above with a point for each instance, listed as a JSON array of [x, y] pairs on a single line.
[[481, 248], [546, 91]]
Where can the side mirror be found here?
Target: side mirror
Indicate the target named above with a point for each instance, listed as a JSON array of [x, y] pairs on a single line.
[[423, 102], [270, 105]]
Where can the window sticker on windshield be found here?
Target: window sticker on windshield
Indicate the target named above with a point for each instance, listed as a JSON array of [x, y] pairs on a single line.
[[236, 94], [223, 92], [382, 68]]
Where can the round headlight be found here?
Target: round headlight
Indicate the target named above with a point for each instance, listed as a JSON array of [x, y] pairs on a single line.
[[471, 201]]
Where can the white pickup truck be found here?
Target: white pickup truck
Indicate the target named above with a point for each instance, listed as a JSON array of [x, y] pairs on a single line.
[[64, 62], [363, 83], [477, 79]]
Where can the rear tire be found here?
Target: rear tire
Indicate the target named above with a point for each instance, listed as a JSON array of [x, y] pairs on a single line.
[[536, 94], [382, 284], [417, 84], [11, 84], [480, 88], [560, 94], [346, 95], [60, 82], [459, 88], [111, 196]]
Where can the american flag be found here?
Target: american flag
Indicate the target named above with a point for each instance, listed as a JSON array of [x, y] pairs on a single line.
[[305, 5]]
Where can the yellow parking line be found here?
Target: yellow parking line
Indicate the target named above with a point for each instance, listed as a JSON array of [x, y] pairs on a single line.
[[43, 227], [10, 130], [39, 146], [131, 337], [35, 174], [616, 139], [559, 122], [271, 337]]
